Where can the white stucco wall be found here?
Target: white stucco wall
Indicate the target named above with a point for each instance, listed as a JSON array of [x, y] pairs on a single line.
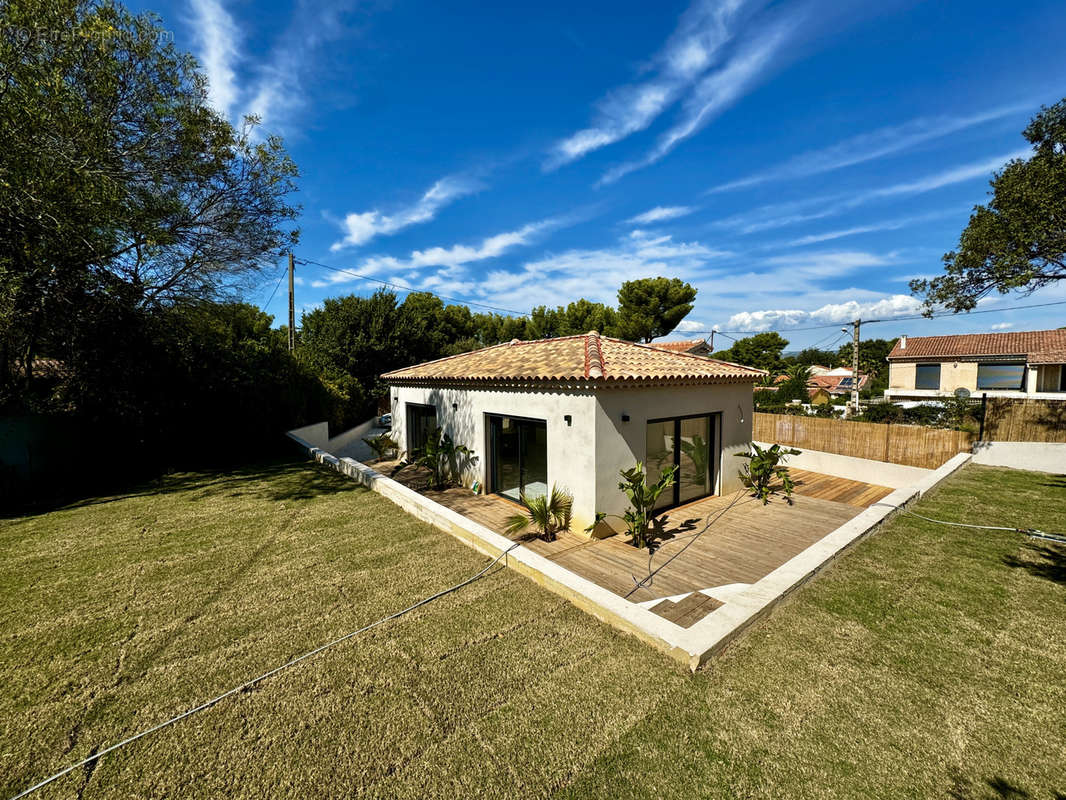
[[586, 456], [620, 445], [571, 448]]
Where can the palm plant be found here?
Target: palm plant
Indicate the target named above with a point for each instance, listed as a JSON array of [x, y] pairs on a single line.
[[765, 464], [642, 498], [440, 456], [382, 444], [547, 513]]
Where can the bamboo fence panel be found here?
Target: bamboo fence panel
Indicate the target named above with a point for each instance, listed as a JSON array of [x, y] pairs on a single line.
[[1009, 420], [913, 445]]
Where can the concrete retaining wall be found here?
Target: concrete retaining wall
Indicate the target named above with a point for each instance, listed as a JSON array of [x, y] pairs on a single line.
[[881, 473], [691, 646], [1036, 456]]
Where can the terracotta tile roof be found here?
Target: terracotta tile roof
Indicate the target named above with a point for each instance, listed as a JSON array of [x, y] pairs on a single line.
[[684, 346], [588, 357], [1037, 347]]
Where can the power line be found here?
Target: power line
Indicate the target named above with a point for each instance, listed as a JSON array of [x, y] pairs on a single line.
[[404, 288], [936, 315], [281, 277], [249, 683]]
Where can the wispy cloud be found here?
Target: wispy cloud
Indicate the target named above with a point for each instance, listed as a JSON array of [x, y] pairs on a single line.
[[359, 228], [868, 146], [779, 215], [716, 92], [660, 214], [449, 258], [890, 306], [1001, 326], [886, 225], [217, 41], [702, 31]]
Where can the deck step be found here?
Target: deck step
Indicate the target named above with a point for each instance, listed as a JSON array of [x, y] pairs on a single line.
[[687, 611]]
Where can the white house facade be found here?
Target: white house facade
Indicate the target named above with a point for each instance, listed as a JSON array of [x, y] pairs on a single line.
[[575, 411]]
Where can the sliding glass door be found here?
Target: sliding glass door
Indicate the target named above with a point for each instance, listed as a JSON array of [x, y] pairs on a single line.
[[421, 422], [685, 442], [518, 451]]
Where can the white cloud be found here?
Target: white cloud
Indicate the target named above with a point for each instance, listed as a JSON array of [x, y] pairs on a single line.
[[686, 325], [702, 31], [660, 214], [450, 258], [885, 225], [361, 227], [1001, 326], [885, 308], [868, 146], [716, 92], [218, 49], [780, 215]]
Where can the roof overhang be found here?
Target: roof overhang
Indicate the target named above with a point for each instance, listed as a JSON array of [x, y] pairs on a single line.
[[571, 385]]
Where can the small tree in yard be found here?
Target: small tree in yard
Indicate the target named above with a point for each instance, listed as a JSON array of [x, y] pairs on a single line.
[[441, 455], [642, 498], [764, 465], [548, 513]]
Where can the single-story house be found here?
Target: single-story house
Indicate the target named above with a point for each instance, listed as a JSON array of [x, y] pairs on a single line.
[[697, 347], [1022, 364], [574, 411]]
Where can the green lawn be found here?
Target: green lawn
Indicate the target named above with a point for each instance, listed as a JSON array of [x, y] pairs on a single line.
[[928, 662]]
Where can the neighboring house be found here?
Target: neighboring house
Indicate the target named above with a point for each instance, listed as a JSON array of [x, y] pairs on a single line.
[[1023, 364], [839, 381], [576, 410], [696, 347]]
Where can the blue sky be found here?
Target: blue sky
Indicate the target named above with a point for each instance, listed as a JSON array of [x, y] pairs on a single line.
[[797, 161]]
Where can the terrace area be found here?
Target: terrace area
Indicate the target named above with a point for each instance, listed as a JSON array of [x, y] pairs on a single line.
[[703, 552]]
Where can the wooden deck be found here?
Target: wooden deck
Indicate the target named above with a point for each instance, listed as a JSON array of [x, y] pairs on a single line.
[[710, 543]]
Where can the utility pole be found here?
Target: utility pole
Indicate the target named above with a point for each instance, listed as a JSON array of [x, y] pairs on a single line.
[[711, 345], [855, 365], [292, 308]]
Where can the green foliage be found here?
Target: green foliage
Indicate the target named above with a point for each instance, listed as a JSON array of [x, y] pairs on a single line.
[[120, 187], [642, 499], [950, 412], [441, 457], [547, 514], [382, 445], [762, 350], [873, 355], [652, 307], [1018, 240], [763, 467], [810, 356], [795, 386]]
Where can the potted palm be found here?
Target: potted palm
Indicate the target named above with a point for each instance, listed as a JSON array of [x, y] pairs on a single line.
[[547, 514]]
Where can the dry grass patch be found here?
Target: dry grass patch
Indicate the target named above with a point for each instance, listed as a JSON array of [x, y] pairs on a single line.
[[927, 662]]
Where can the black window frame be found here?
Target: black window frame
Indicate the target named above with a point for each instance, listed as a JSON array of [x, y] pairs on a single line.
[[1019, 387], [412, 450], [917, 371], [713, 461]]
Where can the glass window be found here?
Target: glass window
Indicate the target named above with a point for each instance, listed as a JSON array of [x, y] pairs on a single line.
[[927, 376], [421, 422], [519, 451], [688, 444], [1001, 376]]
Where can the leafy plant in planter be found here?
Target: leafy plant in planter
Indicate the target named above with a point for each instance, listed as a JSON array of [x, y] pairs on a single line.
[[642, 499], [440, 456], [382, 445], [548, 513], [764, 465]]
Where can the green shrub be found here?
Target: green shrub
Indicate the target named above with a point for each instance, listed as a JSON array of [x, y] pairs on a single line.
[[642, 498], [548, 513], [764, 465]]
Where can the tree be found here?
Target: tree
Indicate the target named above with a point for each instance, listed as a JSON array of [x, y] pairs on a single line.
[[352, 340], [809, 356], [763, 350], [118, 182], [652, 307], [873, 355], [1018, 240]]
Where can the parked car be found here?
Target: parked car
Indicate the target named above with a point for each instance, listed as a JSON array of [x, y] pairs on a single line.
[[385, 421]]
